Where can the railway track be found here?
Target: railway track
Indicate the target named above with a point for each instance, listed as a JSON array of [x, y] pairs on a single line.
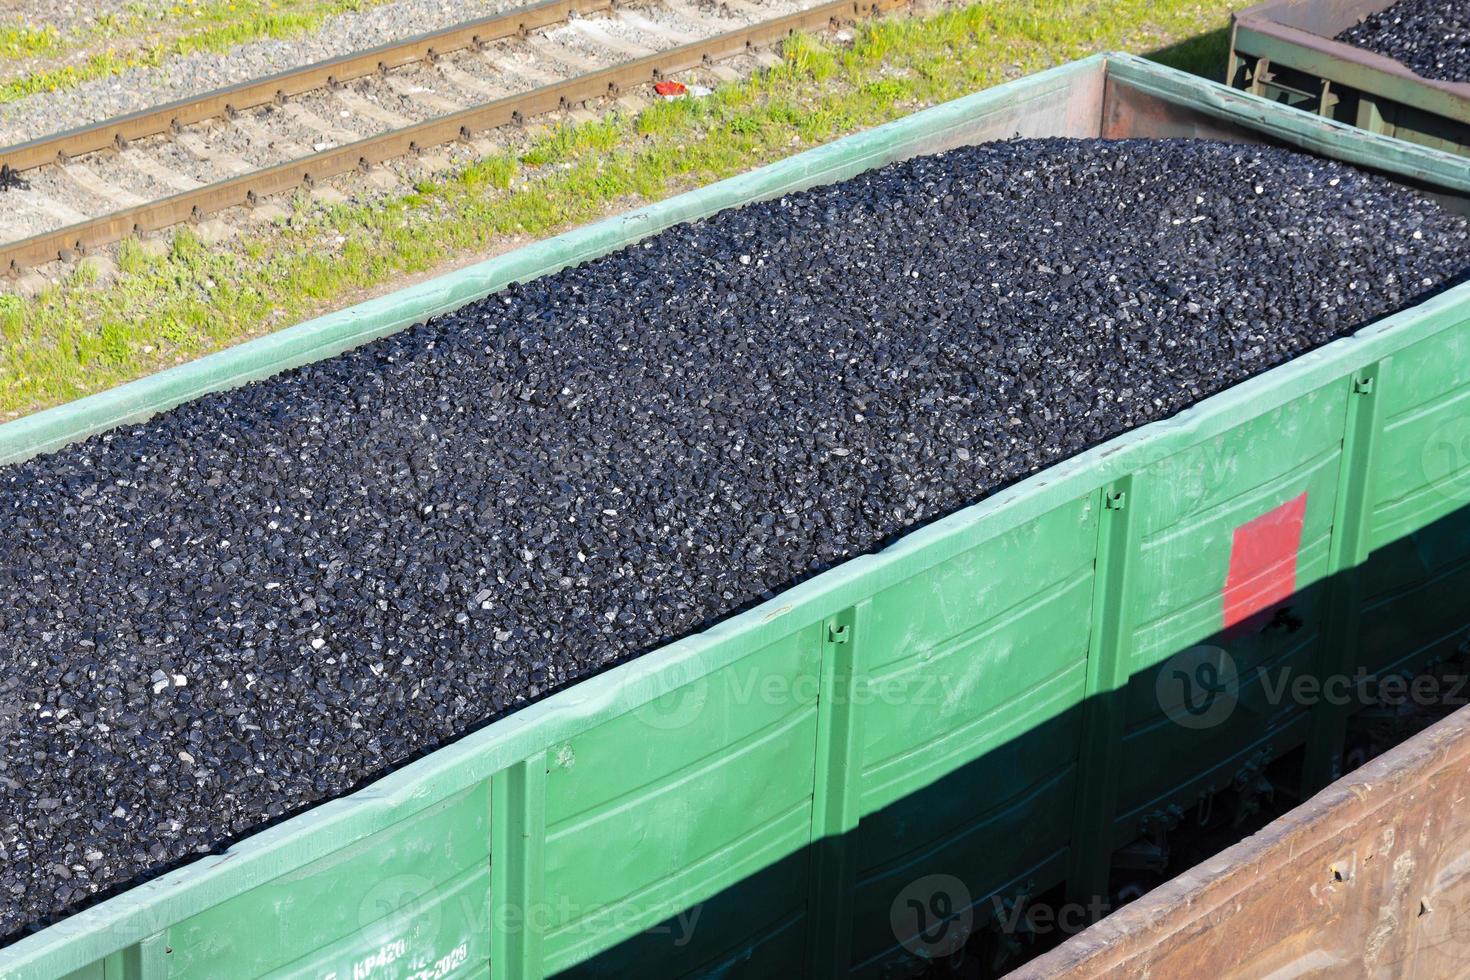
[[72, 192]]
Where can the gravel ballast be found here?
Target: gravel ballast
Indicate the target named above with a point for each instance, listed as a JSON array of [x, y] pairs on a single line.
[[262, 598], [188, 75], [1430, 36]]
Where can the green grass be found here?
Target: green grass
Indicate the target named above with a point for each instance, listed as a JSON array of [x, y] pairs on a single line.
[[211, 26], [21, 40], [573, 142], [1205, 54], [163, 309]]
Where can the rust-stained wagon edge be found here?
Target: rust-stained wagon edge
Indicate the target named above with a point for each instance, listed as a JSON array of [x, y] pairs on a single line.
[[1372, 874]]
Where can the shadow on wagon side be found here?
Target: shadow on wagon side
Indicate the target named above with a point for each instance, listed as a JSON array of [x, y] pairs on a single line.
[[1023, 846]]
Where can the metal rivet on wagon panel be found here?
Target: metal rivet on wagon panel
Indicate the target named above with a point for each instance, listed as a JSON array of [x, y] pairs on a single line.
[[364, 557]]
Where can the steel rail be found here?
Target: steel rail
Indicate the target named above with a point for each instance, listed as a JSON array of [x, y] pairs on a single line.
[[248, 189], [118, 131]]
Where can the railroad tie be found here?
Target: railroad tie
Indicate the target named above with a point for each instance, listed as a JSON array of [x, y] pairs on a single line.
[[420, 93], [754, 12], [634, 102], [508, 64], [282, 146], [559, 54], [481, 88], [599, 34], [87, 179], [325, 127], [200, 149], [673, 35], [159, 172], [58, 214], [367, 107]]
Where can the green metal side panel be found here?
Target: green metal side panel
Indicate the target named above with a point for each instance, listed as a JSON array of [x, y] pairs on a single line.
[[413, 894], [1418, 530], [978, 700], [1190, 507], [970, 720], [660, 809]]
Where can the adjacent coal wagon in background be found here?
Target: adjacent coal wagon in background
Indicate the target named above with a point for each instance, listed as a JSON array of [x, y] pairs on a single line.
[[1365, 879], [1293, 51]]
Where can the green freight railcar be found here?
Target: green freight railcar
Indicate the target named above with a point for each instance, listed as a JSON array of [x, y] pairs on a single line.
[[659, 819]]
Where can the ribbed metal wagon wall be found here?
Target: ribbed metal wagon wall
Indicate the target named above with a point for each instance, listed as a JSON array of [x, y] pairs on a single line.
[[975, 700], [1283, 50], [1367, 879]]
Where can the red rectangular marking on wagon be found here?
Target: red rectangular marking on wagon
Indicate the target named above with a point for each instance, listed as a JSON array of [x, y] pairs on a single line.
[[1263, 560]]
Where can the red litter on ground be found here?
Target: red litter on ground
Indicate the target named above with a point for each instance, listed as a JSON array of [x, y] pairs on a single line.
[[669, 89]]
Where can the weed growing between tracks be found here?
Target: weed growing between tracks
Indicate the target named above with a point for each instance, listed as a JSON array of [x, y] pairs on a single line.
[[77, 338], [23, 40]]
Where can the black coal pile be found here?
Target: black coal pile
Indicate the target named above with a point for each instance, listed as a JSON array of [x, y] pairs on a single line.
[[262, 598], [1432, 37]]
